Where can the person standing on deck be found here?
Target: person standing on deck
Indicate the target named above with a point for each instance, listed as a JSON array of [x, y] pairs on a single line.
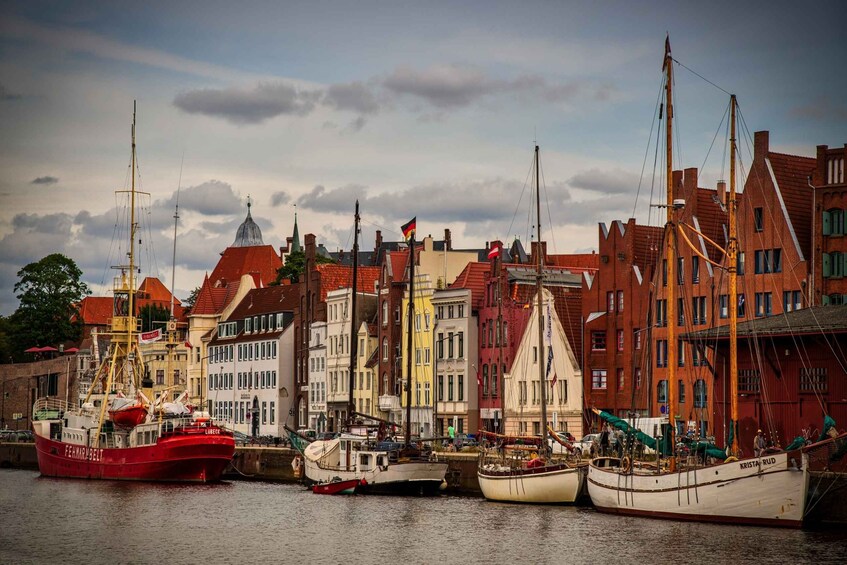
[[759, 444], [451, 431]]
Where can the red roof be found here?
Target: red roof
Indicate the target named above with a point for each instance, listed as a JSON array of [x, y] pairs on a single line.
[[268, 300], [261, 261], [576, 262], [473, 277], [335, 276], [95, 310], [792, 172]]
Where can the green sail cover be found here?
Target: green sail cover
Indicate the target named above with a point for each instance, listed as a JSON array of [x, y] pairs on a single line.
[[828, 423], [798, 442], [618, 423], [297, 442]]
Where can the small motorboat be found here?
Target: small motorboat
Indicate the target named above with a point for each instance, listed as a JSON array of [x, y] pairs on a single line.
[[337, 487]]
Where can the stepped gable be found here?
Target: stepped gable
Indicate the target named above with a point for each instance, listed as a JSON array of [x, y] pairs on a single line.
[[473, 277], [792, 173], [712, 219], [334, 277], [646, 246]]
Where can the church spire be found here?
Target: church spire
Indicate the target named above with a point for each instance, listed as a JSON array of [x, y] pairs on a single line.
[[248, 234], [295, 237]]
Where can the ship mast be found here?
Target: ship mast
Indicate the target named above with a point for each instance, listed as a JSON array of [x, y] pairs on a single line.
[[409, 336], [731, 255], [501, 382], [351, 403], [539, 287], [670, 249]]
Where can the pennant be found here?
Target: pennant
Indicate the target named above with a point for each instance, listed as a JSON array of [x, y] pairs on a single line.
[[409, 228], [150, 337], [478, 379], [495, 251], [188, 344]]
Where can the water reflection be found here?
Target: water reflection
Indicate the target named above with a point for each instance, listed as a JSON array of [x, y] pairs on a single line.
[[69, 521]]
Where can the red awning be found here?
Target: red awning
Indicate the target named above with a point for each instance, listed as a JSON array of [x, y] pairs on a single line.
[[33, 350], [72, 350], [48, 348]]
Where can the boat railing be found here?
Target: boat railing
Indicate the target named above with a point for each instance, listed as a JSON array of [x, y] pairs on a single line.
[[190, 426], [49, 408]]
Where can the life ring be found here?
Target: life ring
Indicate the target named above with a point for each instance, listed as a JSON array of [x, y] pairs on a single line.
[[296, 465], [626, 464]]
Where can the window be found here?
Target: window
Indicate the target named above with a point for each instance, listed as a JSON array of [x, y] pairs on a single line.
[[680, 311], [494, 380], [696, 355], [450, 345], [440, 391], [563, 391], [740, 263], [417, 356], [662, 391], [620, 301], [598, 343], [385, 349], [698, 313], [461, 382], [427, 352], [273, 412], [637, 377], [724, 305], [749, 380], [661, 353], [485, 380], [461, 345], [681, 385], [440, 346], [664, 272], [264, 412], [426, 320], [742, 309], [417, 322], [620, 376], [598, 379], [418, 394], [787, 303], [680, 270], [636, 338], [700, 398], [813, 379], [763, 304], [450, 388], [758, 219], [426, 394], [610, 301], [661, 312], [449, 311], [798, 300], [680, 353], [833, 222], [834, 264], [695, 269], [620, 340], [385, 312]]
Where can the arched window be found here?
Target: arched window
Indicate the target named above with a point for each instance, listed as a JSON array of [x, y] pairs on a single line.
[[385, 349], [385, 312]]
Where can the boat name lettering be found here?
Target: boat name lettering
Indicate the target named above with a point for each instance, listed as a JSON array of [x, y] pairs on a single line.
[[213, 431], [82, 452], [756, 463]]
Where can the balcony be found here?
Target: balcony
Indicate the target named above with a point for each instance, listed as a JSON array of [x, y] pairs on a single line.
[[389, 403]]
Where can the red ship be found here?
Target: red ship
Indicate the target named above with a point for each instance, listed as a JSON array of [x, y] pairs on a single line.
[[108, 436]]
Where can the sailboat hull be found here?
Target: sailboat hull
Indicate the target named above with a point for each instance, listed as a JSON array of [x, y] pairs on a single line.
[[769, 490], [189, 458], [554, 484]]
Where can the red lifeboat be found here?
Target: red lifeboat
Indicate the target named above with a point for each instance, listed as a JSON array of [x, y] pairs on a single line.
[[127, 415]]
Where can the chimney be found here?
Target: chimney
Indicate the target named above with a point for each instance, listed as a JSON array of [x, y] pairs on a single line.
[[378, 242], [677, 184], [448, 241], [309, 240], [689, 190], [722, 191], [819, 176], [761, 142]]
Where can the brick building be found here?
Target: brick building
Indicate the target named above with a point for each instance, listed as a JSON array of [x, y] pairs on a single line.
[[829, 226], [22, 383]]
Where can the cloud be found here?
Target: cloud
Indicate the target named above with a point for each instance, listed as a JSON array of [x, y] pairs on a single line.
[[353, 97], [821, 108], [355, 125], [608, 181], [279, 198], [443, 86], [6, 94], [340, 200], [254, 106], [46, 180], [209, 198]]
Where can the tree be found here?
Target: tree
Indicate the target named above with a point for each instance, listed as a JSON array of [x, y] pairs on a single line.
[[150, 314], [49, 291], [294, 266], [188, 303]]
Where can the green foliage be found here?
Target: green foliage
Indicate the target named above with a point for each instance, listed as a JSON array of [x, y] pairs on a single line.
[[294, 266], [6, 347], [48, 291], [149, 314], [189, 302]]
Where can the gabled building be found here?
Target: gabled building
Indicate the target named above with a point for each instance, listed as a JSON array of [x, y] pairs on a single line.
[[829, 226], [317, 378], [246, 264], [249, 366], [421, 363], [365, 392], [616, 305]]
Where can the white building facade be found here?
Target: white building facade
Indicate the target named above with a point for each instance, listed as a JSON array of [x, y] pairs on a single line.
[[317, 377]]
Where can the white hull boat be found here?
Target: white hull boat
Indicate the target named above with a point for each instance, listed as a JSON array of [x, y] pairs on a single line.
[[768, 490], [549, 484]]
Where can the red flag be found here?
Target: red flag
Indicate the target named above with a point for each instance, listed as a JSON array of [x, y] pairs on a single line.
[[495, 251], [409, 228], [188, 344], [478, 379]]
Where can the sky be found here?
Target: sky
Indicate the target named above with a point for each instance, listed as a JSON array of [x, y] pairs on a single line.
[[426, 109]]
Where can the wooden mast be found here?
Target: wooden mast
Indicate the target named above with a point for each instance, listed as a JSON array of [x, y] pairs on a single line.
[[539, 287], [351, 403], [501, 379], [670, 249], [409, 335], [732, 254]]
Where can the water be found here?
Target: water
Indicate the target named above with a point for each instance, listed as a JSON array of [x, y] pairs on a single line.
[[69, 521]]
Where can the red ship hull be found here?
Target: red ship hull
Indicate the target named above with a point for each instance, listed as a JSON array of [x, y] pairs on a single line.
[[195, 457]]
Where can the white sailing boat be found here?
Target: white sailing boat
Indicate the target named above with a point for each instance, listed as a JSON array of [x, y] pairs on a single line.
[[509, 477], [767, 490], [379, 467]]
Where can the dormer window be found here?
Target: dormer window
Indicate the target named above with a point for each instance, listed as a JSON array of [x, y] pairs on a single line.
[[248, 326]]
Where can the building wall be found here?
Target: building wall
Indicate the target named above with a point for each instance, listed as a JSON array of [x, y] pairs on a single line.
[[365, 392], [21, 384], [422, 381], [830, 225], [317, 378]]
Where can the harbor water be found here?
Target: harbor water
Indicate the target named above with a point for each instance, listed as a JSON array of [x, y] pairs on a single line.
[[46, 520]]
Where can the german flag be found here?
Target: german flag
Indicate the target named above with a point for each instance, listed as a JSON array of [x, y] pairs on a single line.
[[409, 228]]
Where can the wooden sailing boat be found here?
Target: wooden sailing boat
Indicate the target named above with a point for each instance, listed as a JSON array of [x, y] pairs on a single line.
[[538, 480], [354, 457], [768, 490], [129, 444]]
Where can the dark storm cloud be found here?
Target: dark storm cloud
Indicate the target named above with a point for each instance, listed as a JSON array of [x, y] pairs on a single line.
[[210, 198], [279, 198], [254, 106], [354, 97], [46, 180], [339, 200], [612, 181]]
